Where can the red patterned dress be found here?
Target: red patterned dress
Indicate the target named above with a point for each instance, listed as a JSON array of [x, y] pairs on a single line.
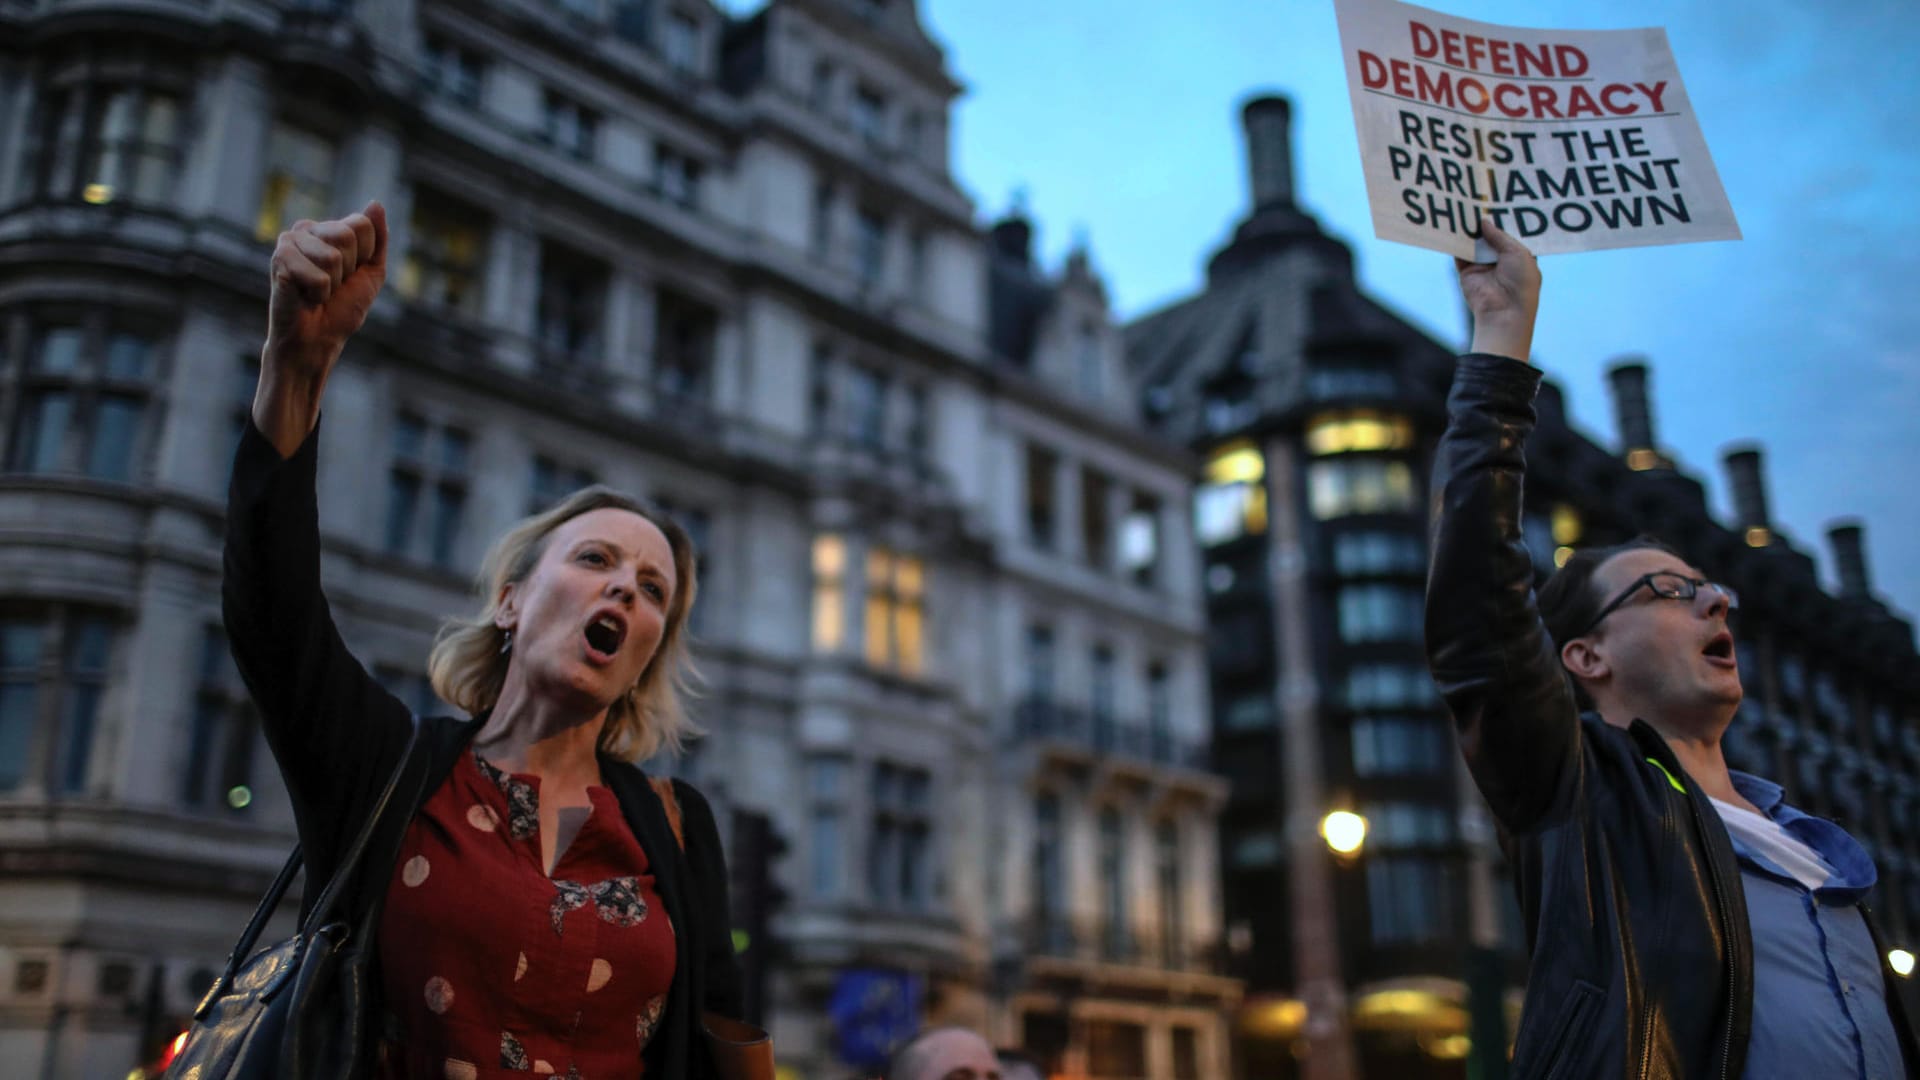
[[491, 968]]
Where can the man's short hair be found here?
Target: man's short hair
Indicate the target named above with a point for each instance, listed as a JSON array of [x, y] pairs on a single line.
[[1569, 600]]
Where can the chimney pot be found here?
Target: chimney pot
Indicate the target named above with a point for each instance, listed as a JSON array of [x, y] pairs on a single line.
[[1749, 494], [1012, 237], [1848, 537], [1268, 120], [1633, 412]]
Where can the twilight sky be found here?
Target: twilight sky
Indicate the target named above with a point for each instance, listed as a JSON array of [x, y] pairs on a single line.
[[1119, 119]]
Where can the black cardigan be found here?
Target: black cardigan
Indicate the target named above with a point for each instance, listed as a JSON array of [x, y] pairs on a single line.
[[337, 736]]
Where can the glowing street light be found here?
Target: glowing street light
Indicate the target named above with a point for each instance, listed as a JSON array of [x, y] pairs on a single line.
[[1901, 961], [1344, 831]]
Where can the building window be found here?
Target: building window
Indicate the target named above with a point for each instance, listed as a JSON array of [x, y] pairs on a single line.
[[568, 321], [676, 177], [1357, 430], [1043, 468], [1341, 487], [829, 592], [826, 826], [1173, 930], [1400, 746], [895, 630], [1140, 540], [568, 126], [442, 267], [553, 480], [866, 411], [299, 182], [1231, 501], [580, 9], [913, 133], [1361, 554], [109, 143], [1370, 613], [1115, 1048], [1102, 696], [869, 246], [917, 264], [919, 438], [1409, 899], [1247, 712], [1160, 711], [632, 21], [82, 401], [426, 490], [1096, 522], [1039, 664], [822, 234], [698, 525], [1116, 936], [1186, 1053], [1350, 381], [1049, 868], [820, 90], [684, 331], [1389, 686], [680, 43], [1253, 849], [53, 670], [899, 863], [451, 71], [1090, 364], [220, 747], [869, 116]]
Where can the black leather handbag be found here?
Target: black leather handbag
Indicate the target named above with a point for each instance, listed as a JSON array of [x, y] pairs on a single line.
[[301, 1010]]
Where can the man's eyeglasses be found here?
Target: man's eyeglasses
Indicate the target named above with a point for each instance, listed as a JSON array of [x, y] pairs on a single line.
[[1666, 585]]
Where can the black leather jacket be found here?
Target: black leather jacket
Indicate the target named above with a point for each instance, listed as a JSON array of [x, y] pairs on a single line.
[[1642, 958]]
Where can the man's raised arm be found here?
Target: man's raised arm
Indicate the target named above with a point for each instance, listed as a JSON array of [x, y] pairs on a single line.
[[1490, 654]]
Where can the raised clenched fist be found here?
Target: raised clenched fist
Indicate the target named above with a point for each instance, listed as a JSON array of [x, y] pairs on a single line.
[[1503, 296], [325, 276]]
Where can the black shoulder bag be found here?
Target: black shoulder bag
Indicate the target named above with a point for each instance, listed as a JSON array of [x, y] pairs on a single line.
[[300, 1010]]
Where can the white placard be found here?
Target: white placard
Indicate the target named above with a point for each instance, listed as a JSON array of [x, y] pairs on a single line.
[[1571, 140]]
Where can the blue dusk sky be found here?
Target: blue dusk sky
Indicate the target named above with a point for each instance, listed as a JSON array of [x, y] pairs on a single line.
[[1119, 121]]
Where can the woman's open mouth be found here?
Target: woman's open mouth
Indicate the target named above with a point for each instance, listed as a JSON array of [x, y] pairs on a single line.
[[605, 635]]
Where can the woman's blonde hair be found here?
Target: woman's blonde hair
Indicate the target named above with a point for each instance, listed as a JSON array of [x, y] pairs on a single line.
[[468, 664]]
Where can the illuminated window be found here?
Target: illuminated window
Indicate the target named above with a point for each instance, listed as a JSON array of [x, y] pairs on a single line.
[[1409, 825], [1231, 502], [1140, 540], [299, 181], [895, 627], [1389, 686], [442, 266], [108, 143], [1567, 526], [1359, 486], [1360, 429], [829, 592]]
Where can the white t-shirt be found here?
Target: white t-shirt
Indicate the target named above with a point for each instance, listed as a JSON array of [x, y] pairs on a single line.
[[1765, 836]]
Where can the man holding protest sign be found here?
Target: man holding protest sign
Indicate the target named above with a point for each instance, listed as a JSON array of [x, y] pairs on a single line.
[[1683, 920]]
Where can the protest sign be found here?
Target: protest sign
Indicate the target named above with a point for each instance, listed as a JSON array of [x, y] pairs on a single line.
[[1571, 140]]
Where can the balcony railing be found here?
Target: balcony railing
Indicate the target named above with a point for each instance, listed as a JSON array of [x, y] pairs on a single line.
[[1056, 936], [1105, 735]]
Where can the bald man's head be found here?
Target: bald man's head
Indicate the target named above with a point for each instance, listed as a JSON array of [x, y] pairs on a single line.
[[948, 1053]]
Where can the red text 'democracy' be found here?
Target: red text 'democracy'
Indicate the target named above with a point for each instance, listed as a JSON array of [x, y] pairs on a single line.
[[1572, 139]]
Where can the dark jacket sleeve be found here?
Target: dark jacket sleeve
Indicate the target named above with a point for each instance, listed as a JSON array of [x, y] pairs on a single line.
[[1488, 649], [335, 733], [707, 862]]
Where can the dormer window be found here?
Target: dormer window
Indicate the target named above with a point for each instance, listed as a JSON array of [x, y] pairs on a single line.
[[681, 43]]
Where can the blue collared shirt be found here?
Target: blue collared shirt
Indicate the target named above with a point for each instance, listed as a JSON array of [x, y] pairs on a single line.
[[1819, 999]]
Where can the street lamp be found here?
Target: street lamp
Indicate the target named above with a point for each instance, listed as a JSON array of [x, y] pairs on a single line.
[[1344, 832], [1901, 961]]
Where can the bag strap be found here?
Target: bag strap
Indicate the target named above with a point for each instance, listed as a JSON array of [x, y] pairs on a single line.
[[331, 894], [663, 787]]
